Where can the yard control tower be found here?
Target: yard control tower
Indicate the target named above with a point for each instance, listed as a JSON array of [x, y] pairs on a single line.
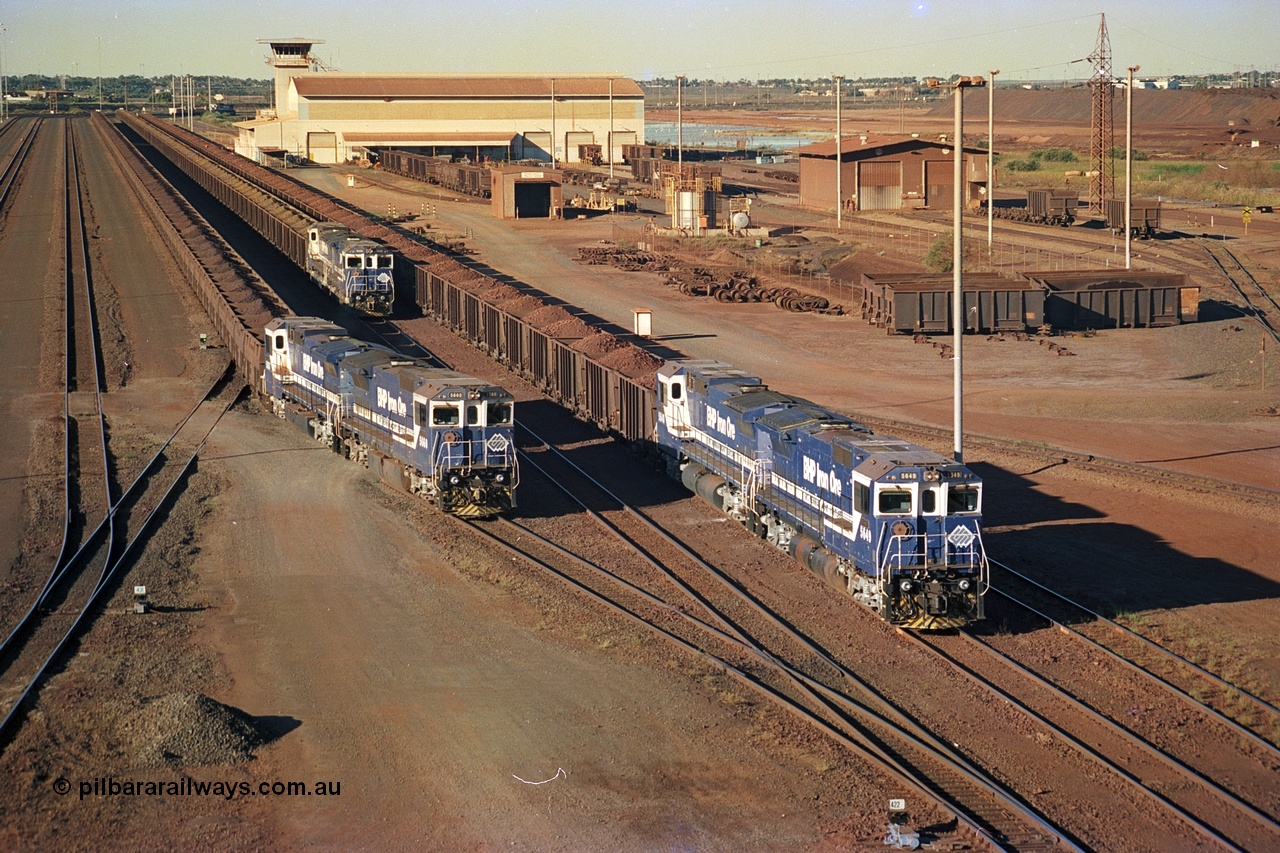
[[289, 57]]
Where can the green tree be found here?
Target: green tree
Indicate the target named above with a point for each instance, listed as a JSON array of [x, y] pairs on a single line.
[[940, 256]]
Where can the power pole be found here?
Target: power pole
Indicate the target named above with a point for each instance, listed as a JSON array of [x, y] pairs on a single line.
[[680, 124], [838, 79], [958, 315], [1128, 171], [991, 158], [1102, 179]]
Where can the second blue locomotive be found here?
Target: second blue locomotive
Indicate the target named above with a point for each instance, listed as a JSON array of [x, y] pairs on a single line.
[[431, 431], [356, 270], [896, 525]]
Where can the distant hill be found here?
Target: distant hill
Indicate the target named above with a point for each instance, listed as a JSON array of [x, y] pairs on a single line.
[[1247, 108]]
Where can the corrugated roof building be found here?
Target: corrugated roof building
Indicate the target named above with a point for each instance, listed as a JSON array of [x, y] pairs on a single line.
[[889, 173], [332, 117]]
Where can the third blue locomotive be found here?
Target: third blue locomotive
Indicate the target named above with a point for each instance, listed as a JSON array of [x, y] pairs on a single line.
[[896, 525]]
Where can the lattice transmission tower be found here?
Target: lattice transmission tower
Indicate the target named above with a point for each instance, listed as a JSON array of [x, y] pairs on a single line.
[[1102, 176]]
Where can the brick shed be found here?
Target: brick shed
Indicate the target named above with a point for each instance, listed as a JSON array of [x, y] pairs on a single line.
[[889, 173]]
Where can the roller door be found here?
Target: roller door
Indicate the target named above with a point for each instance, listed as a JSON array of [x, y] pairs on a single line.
[[879, 186], [532, 199], [621, 139], [939, 181], [322, 147], [571, 142], [535, 146]]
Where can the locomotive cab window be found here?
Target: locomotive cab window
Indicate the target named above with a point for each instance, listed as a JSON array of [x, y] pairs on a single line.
[[473, 415], [677, 390], [279, 339], [420, 413], [384, 262], [894, 502], [928, 502], [962, 499], [861, 498], [499, 414], [445, 414], [354, 262]]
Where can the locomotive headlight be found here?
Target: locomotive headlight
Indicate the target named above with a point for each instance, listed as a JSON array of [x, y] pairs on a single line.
[[905, 586], [500, 477], [454, 479], [931, 475], [964, 585]]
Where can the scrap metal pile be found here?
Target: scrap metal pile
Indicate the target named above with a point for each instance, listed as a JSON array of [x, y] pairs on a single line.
[[740, 286], [632, 260], [721, 285]]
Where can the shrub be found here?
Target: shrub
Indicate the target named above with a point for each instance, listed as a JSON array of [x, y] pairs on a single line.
[[1029, 165], [1054, 155], [1157, 171], [940, 255]]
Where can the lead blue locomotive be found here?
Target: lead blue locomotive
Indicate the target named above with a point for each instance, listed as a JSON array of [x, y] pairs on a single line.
[[358, 271], [894, 524], [431, 431]]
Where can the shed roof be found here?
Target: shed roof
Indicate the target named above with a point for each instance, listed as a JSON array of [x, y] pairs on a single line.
[[874, 146], [424, 86]]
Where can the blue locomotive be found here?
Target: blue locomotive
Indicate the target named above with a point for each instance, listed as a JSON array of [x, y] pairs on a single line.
[[358, 271], [431, 431], [896, 525]]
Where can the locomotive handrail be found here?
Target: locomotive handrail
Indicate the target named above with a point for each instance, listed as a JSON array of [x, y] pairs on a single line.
[[893, 553], [462, 453]]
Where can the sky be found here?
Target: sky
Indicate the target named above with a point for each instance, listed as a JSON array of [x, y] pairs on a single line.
[[725, 40]]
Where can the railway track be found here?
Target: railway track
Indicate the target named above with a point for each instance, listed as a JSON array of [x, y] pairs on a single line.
[[105, 521], [1259, 304], [14, 164], [1208, 808], [669, 589], [748, 665], [1171, 255], [1178, 676]]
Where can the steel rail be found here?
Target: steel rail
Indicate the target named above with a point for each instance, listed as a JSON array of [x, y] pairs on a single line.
[[1259, 315], [11, 169], [1151, 645], [130, 492], [1085, 749], [1102, 464]]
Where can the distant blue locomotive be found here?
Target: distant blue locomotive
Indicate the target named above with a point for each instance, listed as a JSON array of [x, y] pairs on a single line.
[[358, 271], [894, 524], [431, 431]]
